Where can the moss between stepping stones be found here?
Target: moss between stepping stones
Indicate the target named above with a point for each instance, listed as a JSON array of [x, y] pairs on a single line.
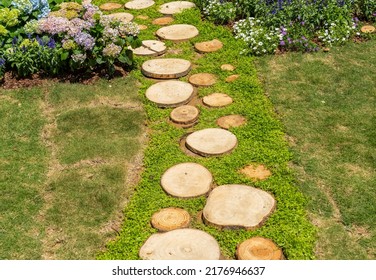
[[261, 140]]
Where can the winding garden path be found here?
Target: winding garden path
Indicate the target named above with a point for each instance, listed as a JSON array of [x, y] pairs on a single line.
[[230, 207]]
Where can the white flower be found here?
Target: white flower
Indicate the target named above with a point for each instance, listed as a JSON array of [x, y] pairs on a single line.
[[260, 44]]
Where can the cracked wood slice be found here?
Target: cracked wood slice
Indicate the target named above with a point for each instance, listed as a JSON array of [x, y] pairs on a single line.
[[163, 21], [367, 29], [229, 121], [150, 48], [110, 6], [170, 93], [175, 7], [202, 79], [258, 248], [170, 218], [234, 206], [209, 46], [211, 142], [187, 180], [177, 32], [166, 68], [186, 114], [256, 172], [217, 100], [180, 244], [139, 4], [124, 17]]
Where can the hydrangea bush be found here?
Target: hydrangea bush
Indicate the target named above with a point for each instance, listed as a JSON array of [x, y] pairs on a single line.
[[87, 41]]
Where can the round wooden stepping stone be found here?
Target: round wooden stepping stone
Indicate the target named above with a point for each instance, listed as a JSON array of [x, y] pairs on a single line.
[[180, 244], [150, 48], [211, 142], [367, 29], [175, 7], [232, 78], [110, 6], [142, 26], [238, 206], [187, 180], [142, 17], [227, 67], [209, 46], [202, 79], [170, 93], [139, 4], [229, 121], [217, 100], [258, 248], [124, 17], [185, 115], [256, 172], [163, 21], [166, 68], [177, 32], [170, 218]]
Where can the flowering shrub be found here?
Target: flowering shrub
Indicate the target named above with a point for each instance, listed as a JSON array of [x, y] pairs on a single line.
[[337, 32], [219, 11], [40, 7]]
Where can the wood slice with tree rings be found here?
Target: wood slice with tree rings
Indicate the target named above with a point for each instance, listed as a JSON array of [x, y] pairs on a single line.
[[256, 172], [217, 100], [177, 32], [175, 7], [143, 17], [209, 46], [232, 78], [233, 206], [166, 68], [187, 180], [229, 121], [180, 244], [227, 67], [258, 248], [211, 142], [203, 79], [163, 21], [185, 115], [110, 6], [170, 218], [124, 17], [139, 4], [170, 93], [367, 29], [150, 48]]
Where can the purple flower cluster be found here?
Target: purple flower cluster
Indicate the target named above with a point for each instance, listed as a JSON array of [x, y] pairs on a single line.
[[85, 40], [90, 11], [77, 25], [54, 25]]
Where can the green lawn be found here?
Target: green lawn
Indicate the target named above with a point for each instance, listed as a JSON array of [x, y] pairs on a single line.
[[327, 103], [64, 156]]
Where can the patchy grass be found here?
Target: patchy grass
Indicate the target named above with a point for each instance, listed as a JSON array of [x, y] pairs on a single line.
[[260, 141], [68, 165], [327, 103]]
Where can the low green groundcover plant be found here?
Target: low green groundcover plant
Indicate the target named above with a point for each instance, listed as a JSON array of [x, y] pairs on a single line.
[[73, 37], [297, 25]]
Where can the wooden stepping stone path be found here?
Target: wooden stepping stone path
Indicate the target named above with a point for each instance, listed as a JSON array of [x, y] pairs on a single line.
[[170, 218], [209, 46], [256, 172], [166, 68], [229, 121], [211, 142], [186, 115], [217, 100], [258, 248], [227, 67], [175, 7], [180, 244], [177, 32], [110, 6], [139, 4], [124, 17], [163, 21], [238, 206], [368, 29], [202, 80], [186, 180], [170, 93], [150, 48]]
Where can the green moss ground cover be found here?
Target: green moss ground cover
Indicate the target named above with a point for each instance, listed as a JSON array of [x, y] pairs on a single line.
[[261, 140]]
